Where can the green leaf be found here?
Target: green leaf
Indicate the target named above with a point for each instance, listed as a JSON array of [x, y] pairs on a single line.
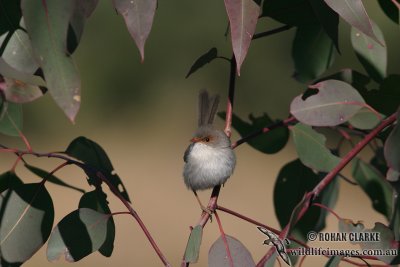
[[390, 9], [51, 178], [26, 222], [243, 16], [372, 55], [83, 10], [334, 261], [19, 92], [365, 119], [94, 155], [385, 100], [97, 200], [353, 12], [355, 78], [392, 147], [9, 180], [291, 12], [203, 60], [138, 16], [293, 182], [47, 24], [217, 256], [193, 246], [10, 15], [9, 72], [270, 142], [77, 235], [375, 186], [11, 119], [310, 146], [328, 19], [18, 53], [312, 52], [334, 103]]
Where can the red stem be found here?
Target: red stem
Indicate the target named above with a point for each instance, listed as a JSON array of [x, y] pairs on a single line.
[[221, 230], [328, 209]]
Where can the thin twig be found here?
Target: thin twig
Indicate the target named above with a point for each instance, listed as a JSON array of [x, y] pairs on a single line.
[[221, 230], [396, 4], [271, 32], [231, 97]]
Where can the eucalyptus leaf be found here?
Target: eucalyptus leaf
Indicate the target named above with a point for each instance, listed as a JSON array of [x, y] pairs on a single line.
[[203, 60], [193, 246], [11, 119]]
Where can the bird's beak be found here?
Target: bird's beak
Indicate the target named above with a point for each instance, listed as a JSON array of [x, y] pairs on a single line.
[[195, 139]]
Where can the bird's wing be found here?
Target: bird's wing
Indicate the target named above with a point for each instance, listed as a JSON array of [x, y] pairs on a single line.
[[187, 152]]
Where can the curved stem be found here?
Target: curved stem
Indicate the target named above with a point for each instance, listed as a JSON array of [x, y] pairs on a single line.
[[221, 230]]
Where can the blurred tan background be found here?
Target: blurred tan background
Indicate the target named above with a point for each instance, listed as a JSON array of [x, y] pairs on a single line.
[[144, 114]]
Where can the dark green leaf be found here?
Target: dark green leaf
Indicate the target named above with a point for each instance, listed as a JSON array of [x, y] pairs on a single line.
[[27, 220], [9, 180], [293, 181], [291, 12], [11, 119], [217, 256], [379, 162], [311, 149], [49, 45], [312, 52], [375, 186], [193, 246], [243, 16], [385, 100], [51, 178], [392, 147], [334, 103], [269, 142], [77, 235], [353, 12], [365, 119], [92, 154], [328, 19], [203, 60], [373, 56], [10, 15], [97, 200], [138, 16], [333, 261], [390, 9]]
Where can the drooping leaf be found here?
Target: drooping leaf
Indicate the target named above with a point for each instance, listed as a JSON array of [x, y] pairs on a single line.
[[365, 119], [97, 200], [26, 222], [353, 12], [47, 25], [9, 180], [243, 16], [94, 155], [138, 16], [312, 52], [293, 181], [311, 149], [333, 104], [217, 256], [372, 55], [11, 119], [10, 15], [390, 9], [20, 92], [18, 53], [51, 178], [333, 261], [385, 100], [374, 185], [328, 19], [203, 60], [9, 72], [83, 10], [290, 12], [77, 235], [193, 246], [270, 142]]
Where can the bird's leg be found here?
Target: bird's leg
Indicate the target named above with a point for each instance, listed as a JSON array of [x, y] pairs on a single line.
[[205, 209]]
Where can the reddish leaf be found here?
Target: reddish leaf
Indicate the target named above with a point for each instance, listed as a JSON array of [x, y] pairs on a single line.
[[138, 16], [334, 103], [47, 24], [243, 15], [353, 12]]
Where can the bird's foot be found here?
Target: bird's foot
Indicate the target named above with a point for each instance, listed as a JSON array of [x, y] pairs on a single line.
[[208, 211]]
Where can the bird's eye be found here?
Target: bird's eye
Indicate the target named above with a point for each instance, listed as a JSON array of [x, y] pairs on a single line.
[[207, 139]]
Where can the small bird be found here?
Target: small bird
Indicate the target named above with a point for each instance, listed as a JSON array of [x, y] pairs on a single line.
[[209, 159]]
